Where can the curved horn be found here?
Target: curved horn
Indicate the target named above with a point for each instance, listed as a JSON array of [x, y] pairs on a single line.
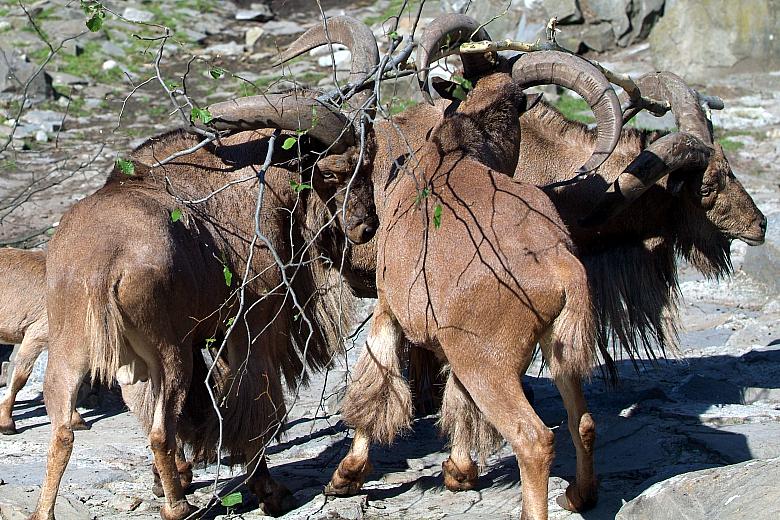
[[444, 33], [662, 157], [287, 111], [683, 100], [579, 75], [347, 31], [691, 146]]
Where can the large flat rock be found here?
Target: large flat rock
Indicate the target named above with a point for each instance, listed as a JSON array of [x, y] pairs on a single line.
[[742, 491]]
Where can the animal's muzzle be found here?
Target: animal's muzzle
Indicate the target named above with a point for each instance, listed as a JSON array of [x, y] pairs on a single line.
[[362, 231]]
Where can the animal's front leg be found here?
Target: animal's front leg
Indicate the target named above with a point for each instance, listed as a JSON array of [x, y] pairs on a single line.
[[378, 403]]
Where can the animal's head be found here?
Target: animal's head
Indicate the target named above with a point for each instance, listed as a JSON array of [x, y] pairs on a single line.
[[717, 198], [344, 182], [339, 176], [714, 207]]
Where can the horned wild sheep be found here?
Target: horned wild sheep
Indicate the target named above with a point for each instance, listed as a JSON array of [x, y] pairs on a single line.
[[475, 236], [162, 292]]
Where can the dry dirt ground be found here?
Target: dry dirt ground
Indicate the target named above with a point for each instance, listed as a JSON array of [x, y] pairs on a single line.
[[717, 403]]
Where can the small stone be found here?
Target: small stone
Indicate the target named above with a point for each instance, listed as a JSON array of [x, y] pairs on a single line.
[[4, 25], [41, 136], [225, 49], [252, 35], [109, 64], [137, 15], [256, 12], [340, 58], [123, 503]]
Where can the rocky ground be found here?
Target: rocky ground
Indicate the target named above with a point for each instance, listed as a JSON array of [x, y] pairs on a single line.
[[715, 405]]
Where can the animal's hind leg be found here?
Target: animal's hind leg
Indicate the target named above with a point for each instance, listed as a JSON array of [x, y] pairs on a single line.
[[31, 347], [61, 384], [378, 401], [183, 466], [494, 385], [170, 383], [457, 421], [582, 493]]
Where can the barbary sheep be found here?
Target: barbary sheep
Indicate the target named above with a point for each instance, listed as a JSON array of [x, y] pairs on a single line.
[[477, 268]]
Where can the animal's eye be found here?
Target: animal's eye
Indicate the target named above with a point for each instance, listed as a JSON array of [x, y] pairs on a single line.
[[706, 191]]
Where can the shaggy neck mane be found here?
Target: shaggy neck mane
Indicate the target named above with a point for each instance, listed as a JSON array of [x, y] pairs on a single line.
[[328, 303], [577, 137]]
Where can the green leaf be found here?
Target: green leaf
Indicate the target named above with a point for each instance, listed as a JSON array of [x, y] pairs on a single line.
[[232, 499], [95, 23], [393, 35], [459, 93], [217, 72], [289, 143], [228, 275], [201, 114], [210, 341], [422, 194], [463, 82], [298, 187], [176, 215], [172, 85], [437, 216], [230, 322], [125, 166]]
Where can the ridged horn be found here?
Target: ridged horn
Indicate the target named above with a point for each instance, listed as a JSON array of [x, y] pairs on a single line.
[[662, 157], [690, 147], [348, 31], [444, 33], [579, 75], [683, 100], [287, 111]]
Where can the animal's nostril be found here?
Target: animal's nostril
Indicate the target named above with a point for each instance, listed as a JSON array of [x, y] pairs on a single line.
[[762, 224]]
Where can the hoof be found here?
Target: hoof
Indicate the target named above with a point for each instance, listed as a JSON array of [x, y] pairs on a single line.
[[573, 501], [277, 501], [79, 425], [8, 427], [457, 480], [179, 511], [346, 482]]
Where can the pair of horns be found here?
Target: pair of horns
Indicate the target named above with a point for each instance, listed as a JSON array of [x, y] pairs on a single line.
[[531, 69]]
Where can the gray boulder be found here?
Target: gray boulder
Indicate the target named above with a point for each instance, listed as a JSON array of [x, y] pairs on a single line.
[[763, 263], [614, 12], [16, 71], [701, 40], [746, 491]]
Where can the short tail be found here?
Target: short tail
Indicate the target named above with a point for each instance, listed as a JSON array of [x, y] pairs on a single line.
[[105, 333], [571, 340]]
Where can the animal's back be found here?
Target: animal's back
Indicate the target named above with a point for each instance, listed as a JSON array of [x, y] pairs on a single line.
[[491, 236], [22, 292]]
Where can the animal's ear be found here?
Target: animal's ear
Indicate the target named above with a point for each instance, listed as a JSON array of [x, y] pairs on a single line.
[[531, 100], [444, 87], [676, 182]]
